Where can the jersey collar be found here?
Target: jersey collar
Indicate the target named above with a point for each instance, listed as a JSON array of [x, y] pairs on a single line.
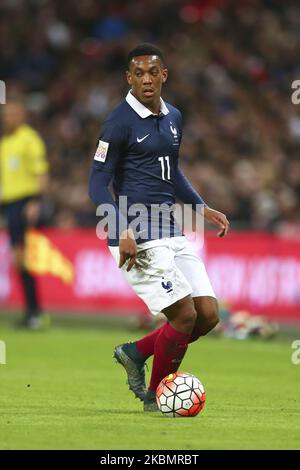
[[141, 110]]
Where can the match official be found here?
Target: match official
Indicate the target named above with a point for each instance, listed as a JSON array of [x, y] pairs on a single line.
[[23, 180]]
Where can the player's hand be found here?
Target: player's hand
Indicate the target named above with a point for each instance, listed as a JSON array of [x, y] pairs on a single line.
[[217, 218], [128, 249]]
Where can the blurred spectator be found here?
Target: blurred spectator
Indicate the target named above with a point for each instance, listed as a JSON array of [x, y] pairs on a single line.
[[23, 182]]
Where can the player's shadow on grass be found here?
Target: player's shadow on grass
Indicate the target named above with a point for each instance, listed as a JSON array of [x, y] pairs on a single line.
[[119, 412], [155, 414], [70, 410]]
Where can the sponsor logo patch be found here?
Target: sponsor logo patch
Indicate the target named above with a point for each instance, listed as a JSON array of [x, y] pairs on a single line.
[[101, 151]]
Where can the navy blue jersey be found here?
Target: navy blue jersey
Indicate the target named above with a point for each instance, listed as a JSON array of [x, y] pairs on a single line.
[[139, 152]]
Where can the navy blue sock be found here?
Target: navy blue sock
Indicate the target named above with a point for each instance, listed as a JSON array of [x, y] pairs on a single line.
[[134, 354]]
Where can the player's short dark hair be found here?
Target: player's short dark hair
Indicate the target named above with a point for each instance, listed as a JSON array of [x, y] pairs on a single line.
[[146, 48]]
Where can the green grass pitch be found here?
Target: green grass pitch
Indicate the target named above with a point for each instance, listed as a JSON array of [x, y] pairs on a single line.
[[61, 389]]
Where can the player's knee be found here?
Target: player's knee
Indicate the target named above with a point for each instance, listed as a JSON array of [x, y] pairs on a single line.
[[207, 314], [187, 316], [212, 322], [182, 315]]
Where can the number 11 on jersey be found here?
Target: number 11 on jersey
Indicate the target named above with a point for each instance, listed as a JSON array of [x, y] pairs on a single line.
[[162, 163]]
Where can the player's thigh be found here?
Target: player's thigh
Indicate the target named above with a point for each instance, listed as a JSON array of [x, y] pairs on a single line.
[[182, 314], [155, 277], [193, 268]]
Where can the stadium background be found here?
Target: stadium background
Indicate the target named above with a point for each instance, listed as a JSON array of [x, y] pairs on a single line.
[[231, 67]]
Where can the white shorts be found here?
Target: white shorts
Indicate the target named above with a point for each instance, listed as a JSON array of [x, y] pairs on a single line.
[[166, 270]]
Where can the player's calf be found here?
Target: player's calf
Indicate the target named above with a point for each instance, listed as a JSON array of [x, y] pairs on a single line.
[[207, 316]]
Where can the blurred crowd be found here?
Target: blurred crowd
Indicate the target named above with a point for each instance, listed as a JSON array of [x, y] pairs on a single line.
[[231, 65]]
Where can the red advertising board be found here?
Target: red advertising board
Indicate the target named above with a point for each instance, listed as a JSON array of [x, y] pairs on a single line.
[[252, 271]]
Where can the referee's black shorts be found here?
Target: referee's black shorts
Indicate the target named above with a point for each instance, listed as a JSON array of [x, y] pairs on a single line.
[[16, 221]]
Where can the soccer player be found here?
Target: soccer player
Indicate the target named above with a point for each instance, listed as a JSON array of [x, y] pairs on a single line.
[[138, 150], [23, 179]]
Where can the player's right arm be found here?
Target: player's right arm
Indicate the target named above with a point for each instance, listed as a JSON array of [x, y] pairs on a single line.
[[108, 153]]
